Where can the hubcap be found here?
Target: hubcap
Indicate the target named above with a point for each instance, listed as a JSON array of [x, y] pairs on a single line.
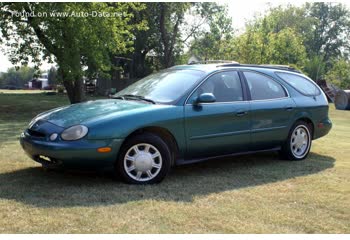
[[300, 141], [142, 162]]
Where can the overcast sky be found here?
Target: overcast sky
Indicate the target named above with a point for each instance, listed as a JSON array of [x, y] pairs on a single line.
[[240, 11]]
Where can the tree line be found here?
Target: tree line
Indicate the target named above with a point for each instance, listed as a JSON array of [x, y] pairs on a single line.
[[18, 78], [313, 38]]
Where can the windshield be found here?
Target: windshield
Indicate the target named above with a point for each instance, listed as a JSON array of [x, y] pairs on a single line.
[[163, 87]]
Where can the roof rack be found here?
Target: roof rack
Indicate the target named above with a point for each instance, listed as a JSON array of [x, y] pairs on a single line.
[[213, 61], [286, 67], [269, 66]]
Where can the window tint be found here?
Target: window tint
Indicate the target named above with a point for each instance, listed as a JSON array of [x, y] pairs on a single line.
[[302, 84], [225, 86], [262, 87]]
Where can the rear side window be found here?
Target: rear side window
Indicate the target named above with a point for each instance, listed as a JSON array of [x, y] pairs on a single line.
[[262, 87], [303, 85]]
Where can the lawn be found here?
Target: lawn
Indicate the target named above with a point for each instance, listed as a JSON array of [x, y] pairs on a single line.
[[249, 194]]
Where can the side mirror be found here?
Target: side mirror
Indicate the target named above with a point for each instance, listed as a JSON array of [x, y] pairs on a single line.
[[205, 98]]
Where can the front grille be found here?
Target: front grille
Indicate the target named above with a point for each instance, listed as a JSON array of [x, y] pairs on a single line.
[[34, 133]]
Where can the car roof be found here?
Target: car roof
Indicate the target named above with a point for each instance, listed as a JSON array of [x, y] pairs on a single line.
[[220, 66]]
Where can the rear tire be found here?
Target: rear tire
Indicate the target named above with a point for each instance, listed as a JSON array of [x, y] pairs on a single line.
[[143, 159], [298, 144]]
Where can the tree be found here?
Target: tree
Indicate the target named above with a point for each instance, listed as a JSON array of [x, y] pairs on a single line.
[[285, 47], [339, 74], [259, 46], [145, 41], [315, 67], [161, 38], [213, 44], [64, 34], [331, 30], [1, 79], [296, 18], [324, 27], [171, 16], [17, 77], [170, 27], [52, 76]]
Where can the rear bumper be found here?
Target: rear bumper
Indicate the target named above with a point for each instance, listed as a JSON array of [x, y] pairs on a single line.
[[322, 128], [80, 154]]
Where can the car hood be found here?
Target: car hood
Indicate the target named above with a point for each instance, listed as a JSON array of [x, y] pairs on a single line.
[[78, 113]]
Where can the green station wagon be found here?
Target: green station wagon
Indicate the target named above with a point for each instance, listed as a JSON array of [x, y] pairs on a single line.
[[181, 115]]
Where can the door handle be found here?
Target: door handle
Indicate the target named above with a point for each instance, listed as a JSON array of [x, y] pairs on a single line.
[[289, 108], [241, 113]]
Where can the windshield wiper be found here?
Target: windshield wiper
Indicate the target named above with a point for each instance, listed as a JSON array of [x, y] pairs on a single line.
[[134, 97]]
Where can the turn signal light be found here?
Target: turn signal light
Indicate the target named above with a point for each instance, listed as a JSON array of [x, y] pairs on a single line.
[[104, 149]]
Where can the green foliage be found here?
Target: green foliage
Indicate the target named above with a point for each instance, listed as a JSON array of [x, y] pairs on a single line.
[[339, 74], [323, 27], [330, 31], [60, 89], [290, 16], [259, 46], [74, 42], [285, 47], [17, 77], [170, 18], [306, 37], [155, 34], [315, 67], [168, 32], [52, 76], [212, 44]]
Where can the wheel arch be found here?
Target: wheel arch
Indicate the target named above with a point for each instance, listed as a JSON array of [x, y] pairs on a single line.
[[309, 122], [164, 134]]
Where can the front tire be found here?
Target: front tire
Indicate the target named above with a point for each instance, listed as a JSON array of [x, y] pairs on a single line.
[[298, 144], [144, 159]]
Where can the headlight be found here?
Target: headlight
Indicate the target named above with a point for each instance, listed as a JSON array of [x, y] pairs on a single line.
[[74, 133]]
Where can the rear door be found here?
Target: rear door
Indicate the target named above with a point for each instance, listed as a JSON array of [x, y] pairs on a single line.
[[221, 127], [271, 109]]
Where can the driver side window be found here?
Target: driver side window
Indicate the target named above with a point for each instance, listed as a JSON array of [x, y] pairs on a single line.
[[225, 86]]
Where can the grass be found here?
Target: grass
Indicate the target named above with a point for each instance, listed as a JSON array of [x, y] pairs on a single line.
[[248, 194]]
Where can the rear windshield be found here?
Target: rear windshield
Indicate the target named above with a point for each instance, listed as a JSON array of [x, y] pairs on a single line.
[[302, 84]]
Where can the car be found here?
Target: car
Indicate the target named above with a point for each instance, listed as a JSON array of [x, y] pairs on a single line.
[[183, 114]]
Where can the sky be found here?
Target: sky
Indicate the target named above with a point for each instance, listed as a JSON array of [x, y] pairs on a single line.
[[239, 11]]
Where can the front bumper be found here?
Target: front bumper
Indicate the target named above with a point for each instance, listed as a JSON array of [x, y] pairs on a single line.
[[80, 154]]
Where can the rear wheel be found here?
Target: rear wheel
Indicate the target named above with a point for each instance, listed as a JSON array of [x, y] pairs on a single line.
[[144, 159], [298, 143]]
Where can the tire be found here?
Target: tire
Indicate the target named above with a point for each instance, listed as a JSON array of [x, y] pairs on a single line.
[[298, 144], [143, 159]]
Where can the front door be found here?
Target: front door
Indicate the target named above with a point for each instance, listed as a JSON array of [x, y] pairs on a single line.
[[221, 127]]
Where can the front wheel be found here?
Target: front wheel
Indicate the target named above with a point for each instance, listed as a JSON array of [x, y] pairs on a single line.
[[298, 144], [144, 159]]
